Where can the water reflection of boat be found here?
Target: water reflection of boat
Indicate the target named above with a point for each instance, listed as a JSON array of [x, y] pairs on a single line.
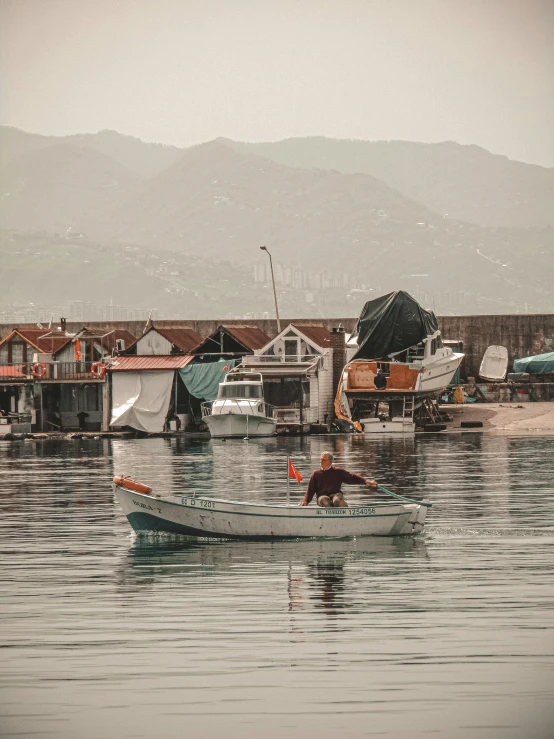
[[165, 554], [320, 574], [203, 517]]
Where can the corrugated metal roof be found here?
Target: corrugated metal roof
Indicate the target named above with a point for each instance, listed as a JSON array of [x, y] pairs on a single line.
[[109, 339], [35, 337], [106, 338], [149, 363], [249, 336], [318, 334], [185, 339]]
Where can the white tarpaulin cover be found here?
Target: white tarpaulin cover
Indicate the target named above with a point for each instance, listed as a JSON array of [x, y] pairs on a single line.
[[141, 399]]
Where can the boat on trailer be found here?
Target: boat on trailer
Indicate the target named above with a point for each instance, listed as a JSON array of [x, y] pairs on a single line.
[[213, 518]]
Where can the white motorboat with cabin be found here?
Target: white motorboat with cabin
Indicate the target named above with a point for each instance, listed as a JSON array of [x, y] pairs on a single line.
[[239, 410], [203, 517], [400, 360]]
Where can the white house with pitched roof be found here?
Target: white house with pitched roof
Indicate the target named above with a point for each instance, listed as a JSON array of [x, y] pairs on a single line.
[[297, 372]]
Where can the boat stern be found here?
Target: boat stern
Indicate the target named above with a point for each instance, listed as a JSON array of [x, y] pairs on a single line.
[[417, 518]]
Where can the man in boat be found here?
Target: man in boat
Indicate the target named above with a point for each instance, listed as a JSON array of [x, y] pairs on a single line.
[[326, 484]]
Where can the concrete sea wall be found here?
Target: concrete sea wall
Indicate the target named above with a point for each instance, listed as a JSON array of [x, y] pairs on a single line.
[[522, 335]]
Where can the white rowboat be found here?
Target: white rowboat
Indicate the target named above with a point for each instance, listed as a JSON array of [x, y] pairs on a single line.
[[203, 517]]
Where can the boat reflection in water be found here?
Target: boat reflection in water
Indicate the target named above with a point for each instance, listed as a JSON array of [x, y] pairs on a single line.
[[328, 577]]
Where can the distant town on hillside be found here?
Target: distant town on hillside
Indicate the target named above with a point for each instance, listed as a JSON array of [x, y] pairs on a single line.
[[107, 227]]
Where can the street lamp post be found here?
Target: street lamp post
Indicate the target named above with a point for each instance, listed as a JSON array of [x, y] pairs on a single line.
[[264, 248]]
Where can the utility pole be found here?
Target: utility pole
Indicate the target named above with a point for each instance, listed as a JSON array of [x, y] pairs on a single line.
[[264, 248]]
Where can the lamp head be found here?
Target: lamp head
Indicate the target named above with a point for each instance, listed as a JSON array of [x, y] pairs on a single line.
[[263, 248]]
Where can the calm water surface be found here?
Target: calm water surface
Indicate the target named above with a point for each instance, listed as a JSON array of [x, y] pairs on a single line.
[[108, 635]]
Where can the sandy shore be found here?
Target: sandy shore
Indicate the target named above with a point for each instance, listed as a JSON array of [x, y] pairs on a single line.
[[512, 417]]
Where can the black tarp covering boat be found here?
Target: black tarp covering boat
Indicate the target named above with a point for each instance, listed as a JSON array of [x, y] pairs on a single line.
[[391, 324]]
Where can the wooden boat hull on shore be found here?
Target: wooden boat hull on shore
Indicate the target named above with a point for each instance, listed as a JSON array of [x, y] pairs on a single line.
[[221, 519]]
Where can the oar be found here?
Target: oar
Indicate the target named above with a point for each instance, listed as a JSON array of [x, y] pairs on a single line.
[[401, 497]]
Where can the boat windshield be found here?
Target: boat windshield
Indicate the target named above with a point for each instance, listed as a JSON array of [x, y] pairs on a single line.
[[238, 390]]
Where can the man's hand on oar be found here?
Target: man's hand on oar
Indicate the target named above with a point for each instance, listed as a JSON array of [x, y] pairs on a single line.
[[371, 483]]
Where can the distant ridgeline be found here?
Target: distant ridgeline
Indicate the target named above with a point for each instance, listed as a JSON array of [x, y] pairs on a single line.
[[111, 220]]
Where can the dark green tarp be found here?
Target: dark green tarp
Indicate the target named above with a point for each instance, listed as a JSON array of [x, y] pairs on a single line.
[[202, 380], [537, 365], [391, 324]]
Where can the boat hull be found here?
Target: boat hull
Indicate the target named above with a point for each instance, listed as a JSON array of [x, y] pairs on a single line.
[[375, 426], [437, 375], [494, 364], [229, 425], [220, 519]]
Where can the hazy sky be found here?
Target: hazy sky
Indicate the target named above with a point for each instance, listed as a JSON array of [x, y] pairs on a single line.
[[186, 71]]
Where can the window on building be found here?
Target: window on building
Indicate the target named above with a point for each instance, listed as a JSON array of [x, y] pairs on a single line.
[[291, 350]]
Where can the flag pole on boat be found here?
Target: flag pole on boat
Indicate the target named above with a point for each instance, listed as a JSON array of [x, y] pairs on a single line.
[[288, 480]]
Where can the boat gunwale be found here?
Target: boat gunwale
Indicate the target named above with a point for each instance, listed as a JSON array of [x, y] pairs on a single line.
[[281, 506]]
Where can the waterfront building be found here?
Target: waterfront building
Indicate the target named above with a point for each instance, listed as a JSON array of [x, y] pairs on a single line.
[[52, 380], [297, 371]]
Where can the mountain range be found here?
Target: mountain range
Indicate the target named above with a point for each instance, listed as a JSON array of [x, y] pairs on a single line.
[[462, 182], [458, 226]]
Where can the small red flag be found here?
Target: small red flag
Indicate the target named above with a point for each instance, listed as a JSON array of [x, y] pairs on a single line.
[[293, 472]]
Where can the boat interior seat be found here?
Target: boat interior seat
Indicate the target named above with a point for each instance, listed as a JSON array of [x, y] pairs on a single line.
[[362, 375]]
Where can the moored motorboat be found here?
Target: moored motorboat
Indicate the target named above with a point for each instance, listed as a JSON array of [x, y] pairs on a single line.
[[240, 409], [202, 517]]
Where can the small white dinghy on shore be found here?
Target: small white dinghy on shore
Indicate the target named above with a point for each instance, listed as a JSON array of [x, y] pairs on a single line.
[[202, 517], [494, 364]]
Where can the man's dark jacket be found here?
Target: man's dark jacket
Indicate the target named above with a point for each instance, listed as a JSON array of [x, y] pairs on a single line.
[[328, 482]]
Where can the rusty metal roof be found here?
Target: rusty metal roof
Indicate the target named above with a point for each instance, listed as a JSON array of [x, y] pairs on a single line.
[[185, 339], [320, 335], [108, 340], [36, 338], [149, 363], [249, 336]]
